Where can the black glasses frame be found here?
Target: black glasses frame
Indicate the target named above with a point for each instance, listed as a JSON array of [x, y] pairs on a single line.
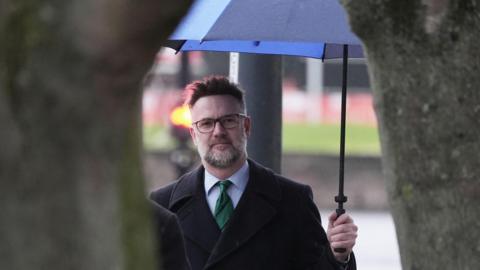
[[219, 120]]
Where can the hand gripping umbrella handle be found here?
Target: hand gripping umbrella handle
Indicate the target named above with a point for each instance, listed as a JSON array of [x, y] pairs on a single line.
[[340, 211]]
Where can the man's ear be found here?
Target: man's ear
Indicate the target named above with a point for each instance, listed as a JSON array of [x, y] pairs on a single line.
[[193, 135], [247, 124]]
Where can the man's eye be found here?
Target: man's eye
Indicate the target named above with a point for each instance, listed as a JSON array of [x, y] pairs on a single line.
[[228, 120], [205, 123]]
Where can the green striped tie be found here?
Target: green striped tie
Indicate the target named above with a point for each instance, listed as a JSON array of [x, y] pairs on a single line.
[[224, 205]]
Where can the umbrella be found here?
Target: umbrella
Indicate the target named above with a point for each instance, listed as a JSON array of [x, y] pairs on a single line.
[[286, 27], [310, 28]]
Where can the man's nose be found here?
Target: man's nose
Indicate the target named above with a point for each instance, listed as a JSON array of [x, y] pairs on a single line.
[[218, 128]]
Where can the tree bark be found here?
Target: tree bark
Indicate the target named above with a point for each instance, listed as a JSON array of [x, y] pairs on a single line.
[[424, 65], [70, 114]]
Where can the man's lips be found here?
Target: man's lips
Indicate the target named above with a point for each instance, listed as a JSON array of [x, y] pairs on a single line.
[[220, 145]]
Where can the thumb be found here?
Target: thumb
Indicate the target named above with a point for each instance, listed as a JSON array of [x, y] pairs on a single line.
[[331, 219]]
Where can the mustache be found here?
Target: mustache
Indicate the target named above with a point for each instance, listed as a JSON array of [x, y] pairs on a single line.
[[220, 141]]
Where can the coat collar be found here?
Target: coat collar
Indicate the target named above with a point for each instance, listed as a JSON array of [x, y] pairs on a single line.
[[187, 187], [189, 203], [264, 181], [191, 184]]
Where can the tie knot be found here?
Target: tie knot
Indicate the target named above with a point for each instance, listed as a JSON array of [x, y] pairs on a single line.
[[223, 185]]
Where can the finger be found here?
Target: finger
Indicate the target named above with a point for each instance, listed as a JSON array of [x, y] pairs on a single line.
[[331, 219], [343, 231], [333, 216], [343, 228], [352, 236], [345, 244], [343, 219]]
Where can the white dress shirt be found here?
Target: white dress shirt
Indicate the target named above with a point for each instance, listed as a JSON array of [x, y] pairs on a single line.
[[239, 180]]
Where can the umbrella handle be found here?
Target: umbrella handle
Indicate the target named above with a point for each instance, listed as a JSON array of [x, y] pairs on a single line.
[[340, 211]]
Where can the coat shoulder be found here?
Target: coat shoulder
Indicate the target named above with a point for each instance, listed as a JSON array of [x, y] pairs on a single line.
[[291, 188], [162, 195], [169, 193], [278, 185], [290, 184]]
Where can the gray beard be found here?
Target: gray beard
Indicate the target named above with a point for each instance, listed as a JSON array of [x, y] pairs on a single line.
[[224, 159]]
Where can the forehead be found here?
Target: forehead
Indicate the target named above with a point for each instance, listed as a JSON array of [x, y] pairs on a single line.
[[215, 106]]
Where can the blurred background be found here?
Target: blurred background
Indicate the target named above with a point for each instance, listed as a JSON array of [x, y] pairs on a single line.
[[310, 138]]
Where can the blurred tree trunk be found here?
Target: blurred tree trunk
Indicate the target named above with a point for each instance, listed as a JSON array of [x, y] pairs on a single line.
[[70, 138], [424, 64]]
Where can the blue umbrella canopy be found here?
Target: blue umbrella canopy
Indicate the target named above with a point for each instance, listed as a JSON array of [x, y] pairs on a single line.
[[312, 28]]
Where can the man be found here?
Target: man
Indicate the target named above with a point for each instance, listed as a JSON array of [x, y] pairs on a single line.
[[237, 214]]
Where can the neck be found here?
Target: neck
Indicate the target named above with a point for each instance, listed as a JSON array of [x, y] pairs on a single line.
[[224, 173]]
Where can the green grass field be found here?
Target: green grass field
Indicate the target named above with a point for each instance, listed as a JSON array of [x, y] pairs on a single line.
[[305, 138], [297, 138]]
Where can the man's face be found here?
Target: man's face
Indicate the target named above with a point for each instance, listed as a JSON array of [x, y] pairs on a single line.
[[220, 148]]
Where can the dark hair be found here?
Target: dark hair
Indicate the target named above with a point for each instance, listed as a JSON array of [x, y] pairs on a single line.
[[210, 86]]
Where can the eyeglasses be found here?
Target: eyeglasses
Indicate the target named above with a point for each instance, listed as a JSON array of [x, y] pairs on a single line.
[[228, 121]]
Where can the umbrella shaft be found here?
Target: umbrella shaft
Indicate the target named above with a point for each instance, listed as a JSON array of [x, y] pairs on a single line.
[[343, 120]]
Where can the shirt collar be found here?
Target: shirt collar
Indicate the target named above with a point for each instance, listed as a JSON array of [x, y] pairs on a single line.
[[239, 179]]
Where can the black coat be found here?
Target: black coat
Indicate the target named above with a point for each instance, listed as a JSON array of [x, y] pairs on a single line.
[[170, 247], [274, 226]]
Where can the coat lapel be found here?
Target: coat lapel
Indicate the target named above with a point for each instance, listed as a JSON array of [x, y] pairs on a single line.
[[256, 208], [189, 203]]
